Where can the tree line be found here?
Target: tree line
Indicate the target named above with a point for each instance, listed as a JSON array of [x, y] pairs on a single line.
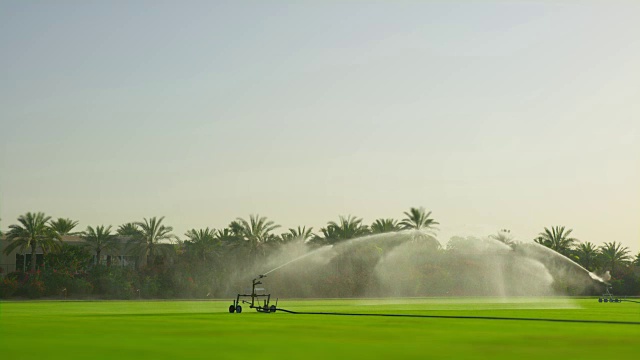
[[199, 263]]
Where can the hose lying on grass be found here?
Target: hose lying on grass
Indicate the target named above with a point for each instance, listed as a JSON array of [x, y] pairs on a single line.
[[467, 317]]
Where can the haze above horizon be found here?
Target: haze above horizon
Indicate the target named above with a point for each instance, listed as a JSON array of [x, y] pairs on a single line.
[[517, 115]]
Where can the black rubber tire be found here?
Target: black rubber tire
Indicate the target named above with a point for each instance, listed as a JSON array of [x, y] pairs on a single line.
[[238, 309], [606, 300], [599, 299], [232, 309], [272, 308]]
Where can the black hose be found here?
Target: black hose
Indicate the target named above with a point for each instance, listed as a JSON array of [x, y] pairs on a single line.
[[465, 317]]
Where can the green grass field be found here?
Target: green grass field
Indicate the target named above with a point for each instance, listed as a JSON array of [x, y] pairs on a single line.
[[205, 329]]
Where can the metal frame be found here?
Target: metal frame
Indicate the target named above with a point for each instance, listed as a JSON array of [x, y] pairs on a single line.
[[255, 299], [608, 296]]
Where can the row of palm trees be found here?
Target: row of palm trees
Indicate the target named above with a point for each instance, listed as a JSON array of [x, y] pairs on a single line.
[[610, 255], [150, 239], [38, 231]]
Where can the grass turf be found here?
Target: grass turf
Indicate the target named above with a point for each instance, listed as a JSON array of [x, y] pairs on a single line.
[[205, 329]]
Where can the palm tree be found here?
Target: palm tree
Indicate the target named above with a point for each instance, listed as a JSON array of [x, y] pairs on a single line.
[[100, 239], [384, 225], [346, 228], [257, 231], [504, 236], [418, 219], [613, 254], [150, 243], [587, 255], [301, 234], [32, 232], [63, 227], [129, 229], [201, 242], [636, 261], [557, 239], [226, 236]]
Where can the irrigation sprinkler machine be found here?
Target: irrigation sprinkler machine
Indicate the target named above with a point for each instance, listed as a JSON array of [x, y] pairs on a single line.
[[608, 297], [259, 300]]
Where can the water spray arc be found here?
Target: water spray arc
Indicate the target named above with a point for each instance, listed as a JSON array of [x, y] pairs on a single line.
[[257, 293], [297, 259], [403, 264]]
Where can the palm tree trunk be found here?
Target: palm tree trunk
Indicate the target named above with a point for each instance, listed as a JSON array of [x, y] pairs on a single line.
[[33, 258], [44, 256], [150, 259], [98, 257]]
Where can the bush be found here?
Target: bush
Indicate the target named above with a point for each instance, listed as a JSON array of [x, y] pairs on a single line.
[[112, 282], [69, 258], [34, 287], [57, 281], [155, 282], [150, 287], [17, 275], [79, 286], [118, 283], [30, 284], [8, 287]]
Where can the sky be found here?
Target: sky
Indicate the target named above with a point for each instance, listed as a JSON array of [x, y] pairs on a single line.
[[491, 114]]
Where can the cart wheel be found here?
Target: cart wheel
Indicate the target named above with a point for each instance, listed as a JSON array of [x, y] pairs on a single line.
[[272, 308], [599, 299], [238, 309], [232, 309], [606, 300]]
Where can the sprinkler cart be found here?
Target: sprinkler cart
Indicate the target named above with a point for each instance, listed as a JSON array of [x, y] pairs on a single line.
[[255, 299], [608, 297]]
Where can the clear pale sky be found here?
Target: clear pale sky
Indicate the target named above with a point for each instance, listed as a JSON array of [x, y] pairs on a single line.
[[503, 114]]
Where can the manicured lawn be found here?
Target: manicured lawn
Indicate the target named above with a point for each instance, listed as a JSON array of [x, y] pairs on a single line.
[[205, 329]]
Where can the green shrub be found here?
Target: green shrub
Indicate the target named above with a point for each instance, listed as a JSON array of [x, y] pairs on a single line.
[[150, 287], [79, 286], [34, 287], [118, 283], [69, 258], [112, 282], [56, 281], [8, 287]]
